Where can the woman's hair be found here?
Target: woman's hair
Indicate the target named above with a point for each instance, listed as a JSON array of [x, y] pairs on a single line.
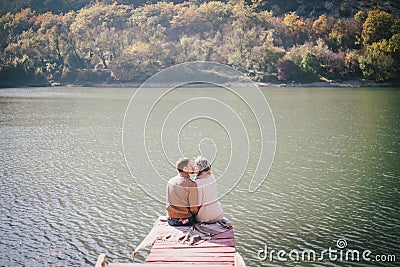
[[202, 165]]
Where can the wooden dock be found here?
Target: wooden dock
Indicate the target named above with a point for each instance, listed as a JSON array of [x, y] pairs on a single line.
[[220, 250]]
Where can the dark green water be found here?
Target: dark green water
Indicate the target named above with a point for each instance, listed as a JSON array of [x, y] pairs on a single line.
[[66, 194]]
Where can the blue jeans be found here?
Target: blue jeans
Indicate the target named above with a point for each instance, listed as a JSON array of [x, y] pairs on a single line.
[[181, 222]]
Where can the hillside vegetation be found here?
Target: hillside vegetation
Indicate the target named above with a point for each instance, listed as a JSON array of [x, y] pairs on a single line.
[[274, 41], [307, 8]]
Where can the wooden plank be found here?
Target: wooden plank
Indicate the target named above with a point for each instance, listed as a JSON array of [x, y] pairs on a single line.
[[192, 258], [213, 241], [194, 250], [189, 253], [177, 248], [164, 264], [218, 251], [209, 243]]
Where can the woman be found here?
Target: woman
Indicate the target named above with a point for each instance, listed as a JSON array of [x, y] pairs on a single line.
[[210, 210]]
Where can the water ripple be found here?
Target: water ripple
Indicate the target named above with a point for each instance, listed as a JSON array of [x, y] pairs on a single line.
[[66, 195]]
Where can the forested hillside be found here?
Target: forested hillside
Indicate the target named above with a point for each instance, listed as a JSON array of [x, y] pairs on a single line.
[[274, 41], [306, 8]]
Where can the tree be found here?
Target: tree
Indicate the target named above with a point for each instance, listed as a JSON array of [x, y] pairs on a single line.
[[376, 27], [193, 48], [240, 36], [53, 46], [289, 71], [317, 61], [296, 28], [394, 49], [135, 38], [352, 66], [138, 62], [311, 66], [13, 25], [43, 6], [343, 35], [99, 32], [321, 26], [214, 15], [332, 65], [265, 56], [377, 63], [21, 71], [204, 20]]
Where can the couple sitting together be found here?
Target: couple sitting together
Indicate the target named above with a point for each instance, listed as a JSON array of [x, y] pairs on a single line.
[[190, 201]]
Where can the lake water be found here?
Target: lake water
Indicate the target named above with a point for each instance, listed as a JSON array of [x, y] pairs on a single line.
[[67, 195]]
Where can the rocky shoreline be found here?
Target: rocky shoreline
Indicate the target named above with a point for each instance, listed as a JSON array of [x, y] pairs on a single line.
[[127, 84], [343, 84]]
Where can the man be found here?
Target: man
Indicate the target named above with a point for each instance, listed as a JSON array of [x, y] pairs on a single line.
[[182, 205]]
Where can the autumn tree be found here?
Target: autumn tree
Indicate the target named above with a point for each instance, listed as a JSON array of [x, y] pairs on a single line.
[[376, 26], [322, 26], [12, 25], [265, 57], [240, 36], [99, 33], [289, 71], [377, 62], [295, 27], [132, 39], [343, 35]]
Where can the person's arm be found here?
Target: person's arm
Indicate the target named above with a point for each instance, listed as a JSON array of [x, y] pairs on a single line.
[[193, 199], [200, 195]]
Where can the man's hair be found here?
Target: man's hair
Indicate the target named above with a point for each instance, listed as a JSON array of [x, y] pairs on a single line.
[[181, 163]]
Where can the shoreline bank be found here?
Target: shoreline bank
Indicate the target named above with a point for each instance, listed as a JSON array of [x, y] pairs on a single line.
[[116, 84]]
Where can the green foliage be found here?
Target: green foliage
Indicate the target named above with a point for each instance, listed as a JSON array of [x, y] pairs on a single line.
[[99, 33], [131, 40], [266, 57], [311, 66], [343, 35], [380, 60], [317, 61], [352, 68], [377, 26], [360, 17], [22, 72], [377, 63]]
